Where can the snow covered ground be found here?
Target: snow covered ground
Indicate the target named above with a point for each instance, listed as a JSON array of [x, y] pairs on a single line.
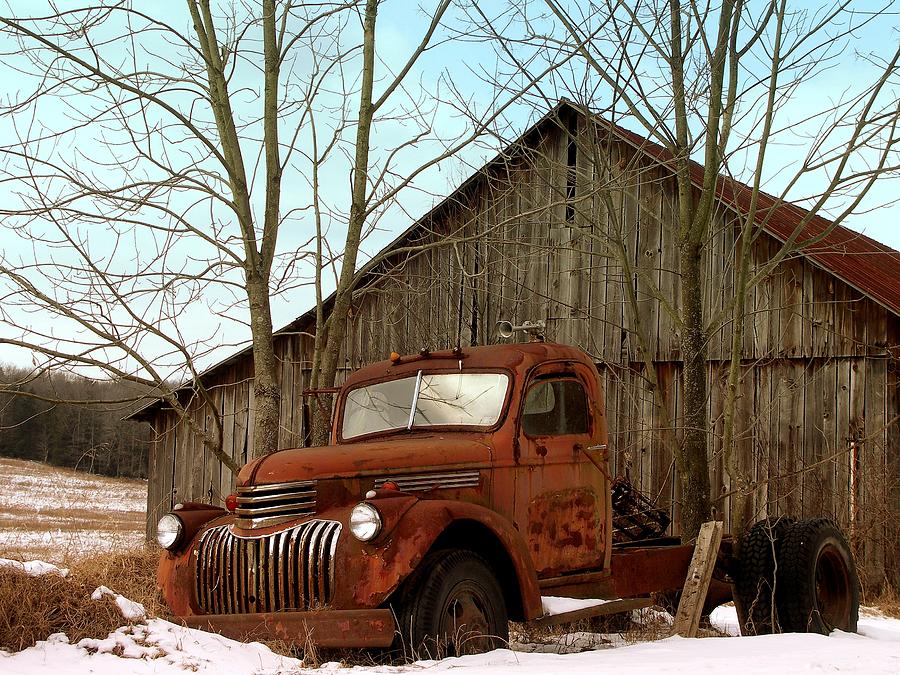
[[58, 514], [159, 647]]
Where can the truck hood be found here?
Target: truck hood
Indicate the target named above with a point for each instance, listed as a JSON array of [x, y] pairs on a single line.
[[382, 457]]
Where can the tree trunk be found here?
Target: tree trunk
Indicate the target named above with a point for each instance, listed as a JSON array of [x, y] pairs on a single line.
[[741, 483], [693, 465], [265, 381]]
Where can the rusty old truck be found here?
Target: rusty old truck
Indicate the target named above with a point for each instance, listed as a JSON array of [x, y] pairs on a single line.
[[459, 487]]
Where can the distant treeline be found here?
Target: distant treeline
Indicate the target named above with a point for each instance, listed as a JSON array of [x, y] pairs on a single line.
[[89, 437]]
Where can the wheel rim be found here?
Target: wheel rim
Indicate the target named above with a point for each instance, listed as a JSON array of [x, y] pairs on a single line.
[[833, 593], [466, 620]]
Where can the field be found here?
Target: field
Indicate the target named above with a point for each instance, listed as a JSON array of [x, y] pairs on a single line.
[[60, 515]]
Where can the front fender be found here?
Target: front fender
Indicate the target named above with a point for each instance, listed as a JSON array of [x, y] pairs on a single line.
[[382, 565]]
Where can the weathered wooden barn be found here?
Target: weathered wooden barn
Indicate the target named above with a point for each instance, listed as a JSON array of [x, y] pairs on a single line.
[[572, 224]]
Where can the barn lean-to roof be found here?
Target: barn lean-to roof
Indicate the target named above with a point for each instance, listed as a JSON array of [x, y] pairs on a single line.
[[865, 264]]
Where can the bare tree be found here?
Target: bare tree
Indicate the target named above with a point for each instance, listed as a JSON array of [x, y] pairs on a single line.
[[711, 87], [167, 169]]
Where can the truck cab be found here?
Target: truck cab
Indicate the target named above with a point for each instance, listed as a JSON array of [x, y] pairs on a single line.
[[535, 414]]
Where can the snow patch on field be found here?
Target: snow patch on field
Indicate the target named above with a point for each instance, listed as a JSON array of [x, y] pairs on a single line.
[[57, 514], [40, 488], [34, 568]]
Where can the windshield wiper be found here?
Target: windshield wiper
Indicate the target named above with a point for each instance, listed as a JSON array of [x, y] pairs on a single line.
[[415, 401]]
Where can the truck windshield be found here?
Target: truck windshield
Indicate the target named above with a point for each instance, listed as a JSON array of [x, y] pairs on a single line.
[[441, 399]]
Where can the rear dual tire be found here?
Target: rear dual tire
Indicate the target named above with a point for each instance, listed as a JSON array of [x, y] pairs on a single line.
[[818, 587], [754, 584], [798, 577]]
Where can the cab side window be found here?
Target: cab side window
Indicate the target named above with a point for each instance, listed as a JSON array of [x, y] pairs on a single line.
[[555, 408]]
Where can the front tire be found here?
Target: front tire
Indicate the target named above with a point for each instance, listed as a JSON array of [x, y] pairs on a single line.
[[818, 587], [453, 606]]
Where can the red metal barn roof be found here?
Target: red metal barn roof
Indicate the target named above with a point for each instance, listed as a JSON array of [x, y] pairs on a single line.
[[869, 266]]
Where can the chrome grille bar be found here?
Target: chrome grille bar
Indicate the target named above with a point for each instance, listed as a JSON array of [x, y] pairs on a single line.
[[264, 505], [277, 497], [277, 487], [288, 570], [427, 481]]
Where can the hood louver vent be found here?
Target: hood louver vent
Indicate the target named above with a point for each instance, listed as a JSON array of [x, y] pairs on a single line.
[[421, 482]]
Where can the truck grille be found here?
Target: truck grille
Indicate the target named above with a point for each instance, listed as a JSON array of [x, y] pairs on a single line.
[[420, 482], [264, 505], [289, 570]]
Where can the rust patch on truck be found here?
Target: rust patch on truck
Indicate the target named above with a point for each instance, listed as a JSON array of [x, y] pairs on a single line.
[[560, 535]]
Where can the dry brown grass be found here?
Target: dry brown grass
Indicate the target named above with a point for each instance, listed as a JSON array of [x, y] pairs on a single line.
[[130, 573], [33, 608], [888, 602], [72, 517], [651, 625]]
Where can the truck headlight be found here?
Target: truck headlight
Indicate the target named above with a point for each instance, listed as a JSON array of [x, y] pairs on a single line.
[[365, 521], [168, 531]]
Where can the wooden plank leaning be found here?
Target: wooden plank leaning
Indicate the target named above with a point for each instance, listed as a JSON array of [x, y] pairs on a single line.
[[696, 585]]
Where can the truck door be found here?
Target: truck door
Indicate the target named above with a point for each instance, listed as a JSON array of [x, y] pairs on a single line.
[[559, 493]]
